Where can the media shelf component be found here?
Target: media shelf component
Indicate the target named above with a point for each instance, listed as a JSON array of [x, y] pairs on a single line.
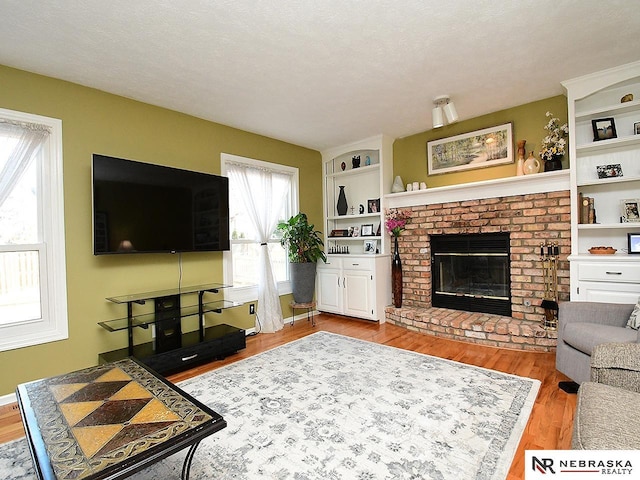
[[356, 178], [172, 350], [604, 145]]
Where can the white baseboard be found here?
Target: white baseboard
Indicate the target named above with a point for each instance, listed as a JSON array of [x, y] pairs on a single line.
[[8, 399]]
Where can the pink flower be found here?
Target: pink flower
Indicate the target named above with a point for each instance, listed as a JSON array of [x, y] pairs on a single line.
[[396, 221]]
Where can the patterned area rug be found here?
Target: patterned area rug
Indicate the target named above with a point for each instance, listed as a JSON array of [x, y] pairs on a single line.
[[332, 407]]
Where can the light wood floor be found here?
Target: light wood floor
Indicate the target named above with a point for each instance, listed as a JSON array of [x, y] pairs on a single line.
[[550, 424]]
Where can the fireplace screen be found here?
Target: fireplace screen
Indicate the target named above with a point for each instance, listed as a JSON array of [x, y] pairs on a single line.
[[471, 272]]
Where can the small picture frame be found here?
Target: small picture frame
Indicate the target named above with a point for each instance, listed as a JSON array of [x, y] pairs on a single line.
[[609, 171], [367, 230], [354, 232], [630, 210], [603, 129], [636, 128], [370, 246], [633, 242], [339, 233], [373, 206]]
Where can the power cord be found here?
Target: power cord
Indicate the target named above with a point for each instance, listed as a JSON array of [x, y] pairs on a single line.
[[254, 333]]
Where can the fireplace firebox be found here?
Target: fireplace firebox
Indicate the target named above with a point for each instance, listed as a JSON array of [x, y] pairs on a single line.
[[471, 272]]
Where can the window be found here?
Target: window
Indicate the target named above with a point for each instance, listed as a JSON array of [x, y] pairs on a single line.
[[33, 298], [241, 266]]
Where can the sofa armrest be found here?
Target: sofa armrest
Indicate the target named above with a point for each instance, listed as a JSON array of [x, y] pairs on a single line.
[[617, 364]]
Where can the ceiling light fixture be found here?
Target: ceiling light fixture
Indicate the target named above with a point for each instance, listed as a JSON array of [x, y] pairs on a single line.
[[443, 104]]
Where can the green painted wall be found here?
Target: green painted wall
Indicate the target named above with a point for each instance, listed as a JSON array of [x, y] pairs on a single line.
[[528, 121], [98, 122]]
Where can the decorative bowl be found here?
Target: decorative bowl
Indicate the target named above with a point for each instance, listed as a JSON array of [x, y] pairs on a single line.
[[602, 250]]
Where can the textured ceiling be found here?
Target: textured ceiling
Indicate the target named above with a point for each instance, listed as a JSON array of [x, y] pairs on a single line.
[[320, 73]]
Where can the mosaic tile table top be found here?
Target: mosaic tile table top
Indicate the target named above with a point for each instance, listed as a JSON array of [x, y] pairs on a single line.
[[109, 421]]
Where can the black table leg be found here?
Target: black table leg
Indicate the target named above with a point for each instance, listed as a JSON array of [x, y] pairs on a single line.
[[186, 467]]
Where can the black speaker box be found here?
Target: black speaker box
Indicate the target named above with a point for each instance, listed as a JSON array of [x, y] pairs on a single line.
[[167, 323]]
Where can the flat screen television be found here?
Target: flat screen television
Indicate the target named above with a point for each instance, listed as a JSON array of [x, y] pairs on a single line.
[[144, 208]]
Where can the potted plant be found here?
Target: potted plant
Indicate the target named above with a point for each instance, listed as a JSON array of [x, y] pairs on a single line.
[[304, 249]]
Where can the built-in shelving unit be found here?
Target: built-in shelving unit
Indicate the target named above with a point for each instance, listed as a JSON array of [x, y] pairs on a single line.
[[355, 281], [362, 189], [598, 97]]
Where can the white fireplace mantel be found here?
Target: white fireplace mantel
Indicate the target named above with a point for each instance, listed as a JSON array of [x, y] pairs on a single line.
[[502, 187]]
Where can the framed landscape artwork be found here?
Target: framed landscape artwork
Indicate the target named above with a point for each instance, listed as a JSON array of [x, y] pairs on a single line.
[[603, 129], [479, 149]]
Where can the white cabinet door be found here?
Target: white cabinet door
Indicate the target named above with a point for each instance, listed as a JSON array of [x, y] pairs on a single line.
[[358, 300], [329, 289]]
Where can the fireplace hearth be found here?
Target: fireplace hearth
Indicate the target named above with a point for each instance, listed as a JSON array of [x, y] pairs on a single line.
[[471, 272]]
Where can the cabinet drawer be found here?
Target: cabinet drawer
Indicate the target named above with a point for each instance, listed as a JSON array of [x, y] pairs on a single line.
[[358, 264], [609, 272], [331, 264]]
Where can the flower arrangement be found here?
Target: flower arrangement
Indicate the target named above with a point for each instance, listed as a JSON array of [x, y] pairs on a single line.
[[396, 221], [554, 144]]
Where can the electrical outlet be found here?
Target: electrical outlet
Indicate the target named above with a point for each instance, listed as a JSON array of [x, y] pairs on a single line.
[[252, 309]]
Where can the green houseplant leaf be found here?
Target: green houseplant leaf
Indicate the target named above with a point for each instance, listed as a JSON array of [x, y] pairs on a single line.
[[303, 243]]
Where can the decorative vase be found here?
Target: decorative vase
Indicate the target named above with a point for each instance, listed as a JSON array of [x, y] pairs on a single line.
[[520, 166], [554, 164], [396, 275], [397, 186], [531, 165], [342, 206], [520, 162]]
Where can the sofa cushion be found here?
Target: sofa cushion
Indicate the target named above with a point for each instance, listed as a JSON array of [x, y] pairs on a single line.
[[585, 336], [606, 418]]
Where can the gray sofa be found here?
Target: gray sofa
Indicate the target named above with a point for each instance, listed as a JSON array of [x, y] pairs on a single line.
[[582, 326], [607, 415]]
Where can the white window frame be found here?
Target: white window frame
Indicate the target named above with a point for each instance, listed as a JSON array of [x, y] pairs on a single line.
[[250, 293], [53, 325]]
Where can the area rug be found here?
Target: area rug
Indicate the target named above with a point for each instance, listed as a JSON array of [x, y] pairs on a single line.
[[333, 407]]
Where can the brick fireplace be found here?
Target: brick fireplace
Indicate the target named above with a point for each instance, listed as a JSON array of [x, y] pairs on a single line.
[[541, 214]]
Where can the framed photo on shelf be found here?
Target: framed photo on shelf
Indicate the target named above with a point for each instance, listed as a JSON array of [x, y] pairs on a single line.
[[478, 149], [603, 129], [634, 242], [373, 206], [630, 210], [354, 232], [367, 230], [370, 246], [609, 171]]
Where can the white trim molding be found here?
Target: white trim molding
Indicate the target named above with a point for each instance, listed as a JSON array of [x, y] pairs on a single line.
[[501, 187]]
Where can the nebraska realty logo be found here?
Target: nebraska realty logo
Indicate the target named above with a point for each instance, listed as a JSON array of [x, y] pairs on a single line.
[[567, 464]]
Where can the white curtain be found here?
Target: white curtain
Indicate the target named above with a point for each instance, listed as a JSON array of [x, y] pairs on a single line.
[[263, 193], [30, 138]]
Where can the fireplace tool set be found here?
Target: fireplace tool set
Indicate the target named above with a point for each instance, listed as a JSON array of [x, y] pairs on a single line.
[[549, 254]]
